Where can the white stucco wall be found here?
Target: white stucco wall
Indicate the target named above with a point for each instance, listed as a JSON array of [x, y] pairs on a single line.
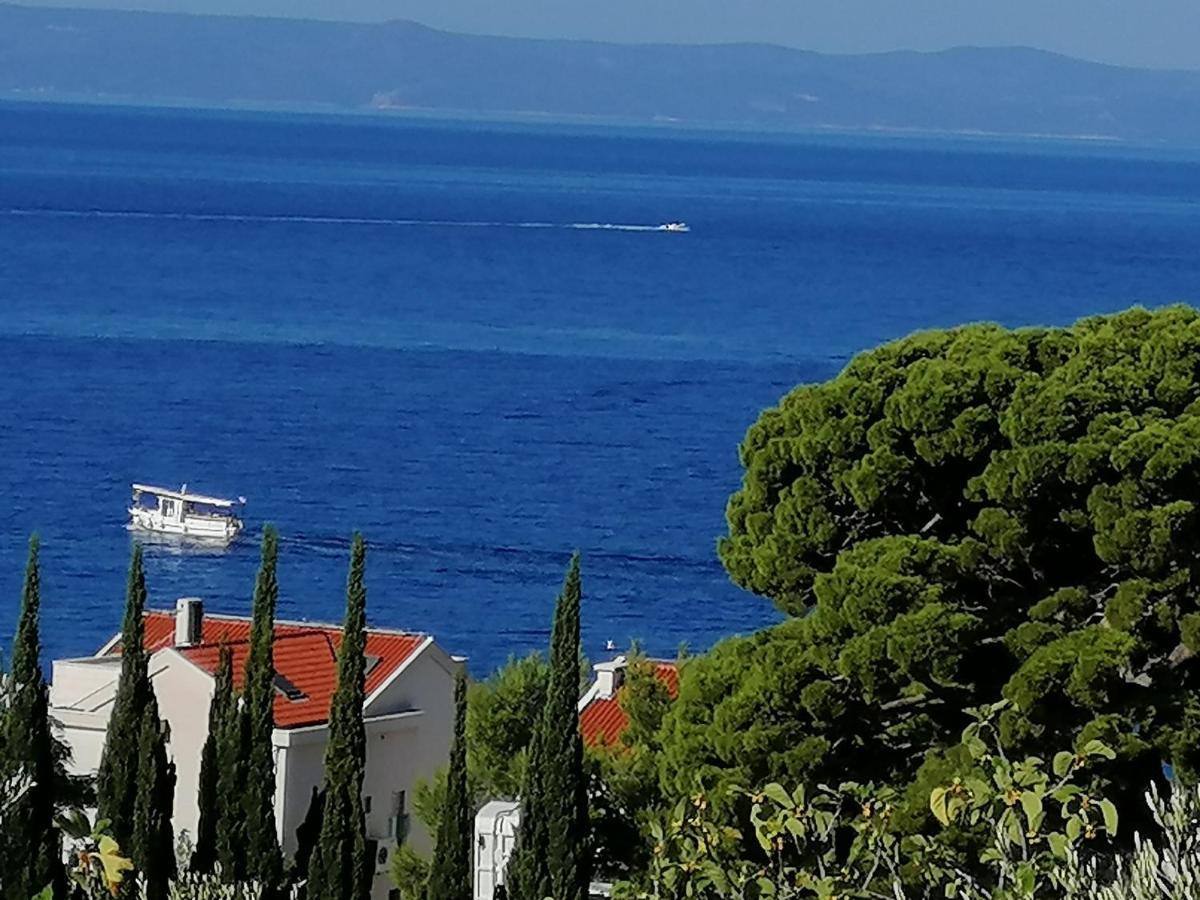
[[410, 724], [299, 767], [84, 734], [184, 695], [81, 697], [84, 684], [427, 684]]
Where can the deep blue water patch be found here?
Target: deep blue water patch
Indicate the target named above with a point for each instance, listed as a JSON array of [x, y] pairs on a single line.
[[468, 340]]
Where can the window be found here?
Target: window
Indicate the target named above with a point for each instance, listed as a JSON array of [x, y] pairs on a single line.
[[367, 805]]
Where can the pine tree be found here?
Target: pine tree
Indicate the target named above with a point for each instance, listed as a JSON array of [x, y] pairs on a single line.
[[339, 869], [222, 708], [117, 779], [552, 855], [30, 853], [450, 876], [152, 847], [264, 860]]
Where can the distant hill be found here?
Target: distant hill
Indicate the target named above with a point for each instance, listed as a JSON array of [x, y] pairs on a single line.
[[138, 56]]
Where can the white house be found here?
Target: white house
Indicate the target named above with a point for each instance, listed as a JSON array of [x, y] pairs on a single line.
[[408, 714]]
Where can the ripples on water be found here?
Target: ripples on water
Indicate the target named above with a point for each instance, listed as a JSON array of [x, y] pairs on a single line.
[[286, 307]]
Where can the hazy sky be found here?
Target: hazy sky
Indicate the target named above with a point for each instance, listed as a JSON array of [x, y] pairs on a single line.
[[1158, 33]]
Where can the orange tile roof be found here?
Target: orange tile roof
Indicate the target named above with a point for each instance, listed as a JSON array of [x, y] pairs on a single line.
[[305, 655], [603, 721]]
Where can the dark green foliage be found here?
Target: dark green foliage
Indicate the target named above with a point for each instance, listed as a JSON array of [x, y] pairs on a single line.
[[450, 875], [339, 868], [308, 832], [503, 713], [264, 860], [553, 853], [30, 852], [623, 774], [117, 779], [231, 779], [410, 873], [220, 711], [958, 517], [152, 845]]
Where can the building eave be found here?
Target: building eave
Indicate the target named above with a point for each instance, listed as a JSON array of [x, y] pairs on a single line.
[[304, 735]]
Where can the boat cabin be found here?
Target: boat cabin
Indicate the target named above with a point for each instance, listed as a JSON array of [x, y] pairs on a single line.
[[169, 511]]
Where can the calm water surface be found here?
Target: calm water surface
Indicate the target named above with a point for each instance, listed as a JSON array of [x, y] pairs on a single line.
[[467, 340]]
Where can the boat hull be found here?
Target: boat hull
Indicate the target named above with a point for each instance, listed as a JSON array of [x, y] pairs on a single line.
[[205, 528]]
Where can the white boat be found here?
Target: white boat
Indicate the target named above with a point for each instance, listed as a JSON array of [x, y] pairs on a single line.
[[674, 226], [166, 511]]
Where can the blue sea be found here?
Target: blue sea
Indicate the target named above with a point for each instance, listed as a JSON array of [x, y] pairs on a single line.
[[468, 340]]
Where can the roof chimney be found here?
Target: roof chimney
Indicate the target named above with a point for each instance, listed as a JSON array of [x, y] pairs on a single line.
[[189, 621]]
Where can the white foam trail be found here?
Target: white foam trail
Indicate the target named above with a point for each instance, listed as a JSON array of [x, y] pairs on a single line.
[[318, 220]]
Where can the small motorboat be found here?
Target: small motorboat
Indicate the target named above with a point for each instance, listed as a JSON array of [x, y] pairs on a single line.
[[674, 226], [167, 511]]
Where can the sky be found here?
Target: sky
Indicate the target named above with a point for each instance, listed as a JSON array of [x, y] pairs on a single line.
[[1151, 33]]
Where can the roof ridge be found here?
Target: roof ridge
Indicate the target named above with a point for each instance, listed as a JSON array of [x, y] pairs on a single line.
[[296, 623], [235, 642]]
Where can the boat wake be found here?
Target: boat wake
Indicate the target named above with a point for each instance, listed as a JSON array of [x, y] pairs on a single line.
[[322, 220]]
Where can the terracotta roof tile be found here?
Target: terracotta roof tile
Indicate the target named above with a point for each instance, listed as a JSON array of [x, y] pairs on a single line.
[[603, 721], [305, 655]]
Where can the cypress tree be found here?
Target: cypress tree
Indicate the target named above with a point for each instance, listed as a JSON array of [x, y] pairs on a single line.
[[450, 875], [264, 861], [152, 847], [552, 855], [339, 869], [117, 779], [231, 824], [223, 706], [308, 832], [30, 853]]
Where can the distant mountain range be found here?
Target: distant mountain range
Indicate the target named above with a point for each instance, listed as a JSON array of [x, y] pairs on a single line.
[[155, 57]]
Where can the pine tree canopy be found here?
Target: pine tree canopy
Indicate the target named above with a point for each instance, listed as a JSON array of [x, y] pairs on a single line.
[[117, 779], [30, 852], [450, 876], [339, 868], [264, 860], [959, 517], [503, 712]]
